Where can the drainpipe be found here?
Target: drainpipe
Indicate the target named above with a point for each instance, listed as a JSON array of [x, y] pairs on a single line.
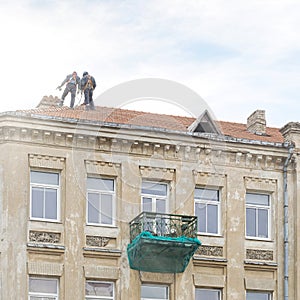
[[286, 229]]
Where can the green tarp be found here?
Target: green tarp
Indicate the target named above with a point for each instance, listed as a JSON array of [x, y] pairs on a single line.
[[161, 254]]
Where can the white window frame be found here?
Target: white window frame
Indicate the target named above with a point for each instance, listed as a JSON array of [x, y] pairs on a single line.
[[102, 192], [207, 202], [212, 290], [44, 295], [258, 207], [88, 297], [269, 294], [46, 186], [155, 197], [155, 286]]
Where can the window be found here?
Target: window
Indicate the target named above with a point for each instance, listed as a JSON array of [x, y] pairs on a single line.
[[257, 215], [208, 294], [44, 194], [154, 196], [100, 201], [154, 292], [99, 290], [207, 209], [258, 296], [43, 288]]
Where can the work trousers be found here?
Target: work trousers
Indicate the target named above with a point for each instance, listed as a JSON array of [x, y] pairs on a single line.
[[70, 88], [88, 99]]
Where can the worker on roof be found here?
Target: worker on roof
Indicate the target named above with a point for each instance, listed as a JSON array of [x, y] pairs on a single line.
[[87, 85], [72, 81]]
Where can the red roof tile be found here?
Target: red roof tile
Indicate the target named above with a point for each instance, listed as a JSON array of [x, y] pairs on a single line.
[[162, 121]]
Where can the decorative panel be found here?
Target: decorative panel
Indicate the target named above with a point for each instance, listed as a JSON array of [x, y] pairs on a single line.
[[259, 254], [44, 237], [210, 251]]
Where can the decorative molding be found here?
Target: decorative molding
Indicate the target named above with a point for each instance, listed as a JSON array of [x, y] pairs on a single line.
[[210, 251], [260, 284], [44, 237], [206, 178], [258, 254], [260, 184], [102, 272], [41, 268], [97, 241], [156, 277], [206, 151], [46, 161], [157, 173], [102, 167], [213, 281]]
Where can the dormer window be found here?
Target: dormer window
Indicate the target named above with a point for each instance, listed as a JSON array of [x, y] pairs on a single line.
[[204, 123]]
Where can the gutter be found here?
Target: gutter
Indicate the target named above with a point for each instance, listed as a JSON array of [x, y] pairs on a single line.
[[286, 229]]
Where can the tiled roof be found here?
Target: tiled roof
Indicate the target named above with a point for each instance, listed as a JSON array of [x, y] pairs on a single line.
[[162, 121], [239, 130]]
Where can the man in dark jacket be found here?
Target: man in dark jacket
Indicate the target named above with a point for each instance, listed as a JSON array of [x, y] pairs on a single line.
[[88, 84], [72, 81]]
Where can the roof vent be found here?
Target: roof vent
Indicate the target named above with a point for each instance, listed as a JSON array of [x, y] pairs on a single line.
[[256, 122]]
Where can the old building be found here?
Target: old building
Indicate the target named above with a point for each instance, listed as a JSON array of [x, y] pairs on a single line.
[[74, 184]]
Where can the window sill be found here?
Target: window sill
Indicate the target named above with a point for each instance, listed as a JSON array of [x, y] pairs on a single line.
[[101, 225], [210, 234], [46, 221], [46, 248], [257, 239], [260, 263], [100, 252]]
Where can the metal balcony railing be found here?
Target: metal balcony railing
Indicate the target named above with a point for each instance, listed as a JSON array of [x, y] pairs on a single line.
[[168, 225]]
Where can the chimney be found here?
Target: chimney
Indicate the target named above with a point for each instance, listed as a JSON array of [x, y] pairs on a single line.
[[256, 122], [48, 101]]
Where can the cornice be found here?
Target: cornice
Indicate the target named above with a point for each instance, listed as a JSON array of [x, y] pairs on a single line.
[[201, 151]]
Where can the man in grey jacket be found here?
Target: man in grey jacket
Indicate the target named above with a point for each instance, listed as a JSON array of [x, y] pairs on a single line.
[[72, 81]]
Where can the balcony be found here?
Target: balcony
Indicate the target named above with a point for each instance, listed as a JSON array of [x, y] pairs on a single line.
[[162, 243]]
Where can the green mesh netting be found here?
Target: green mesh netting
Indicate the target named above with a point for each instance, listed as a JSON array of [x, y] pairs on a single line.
[[161, 254]]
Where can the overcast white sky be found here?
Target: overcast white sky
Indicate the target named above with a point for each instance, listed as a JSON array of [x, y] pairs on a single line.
[[238, 55]]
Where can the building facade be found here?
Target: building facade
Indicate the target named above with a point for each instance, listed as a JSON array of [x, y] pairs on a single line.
[[71, 181]]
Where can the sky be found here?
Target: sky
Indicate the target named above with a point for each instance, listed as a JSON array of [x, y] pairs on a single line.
[[237, 55]]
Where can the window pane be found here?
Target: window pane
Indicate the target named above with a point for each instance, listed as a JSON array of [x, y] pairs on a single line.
[[257, 199], [160, 206], [100, 184], [51, 204], [250, 222], [212, 218], [37, 202], [206, 194], [94, 288], [44, 178], [154, 188], [202, 294], [154, 292], [262, 223], [106, 209], [39, 285], [200, 211], [147, 204], [93, 208], [258, 296]]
